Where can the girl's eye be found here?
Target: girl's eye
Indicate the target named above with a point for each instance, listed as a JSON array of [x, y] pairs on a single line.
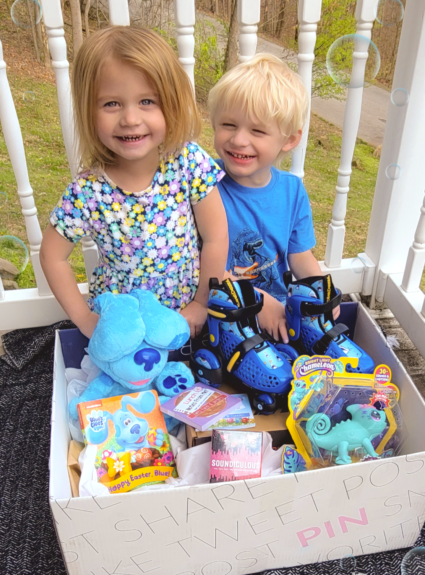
[[229, 125], [259, 132], [111, 104], [146, 102]]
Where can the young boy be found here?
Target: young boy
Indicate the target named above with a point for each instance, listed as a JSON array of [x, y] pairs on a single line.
[[257, 111]]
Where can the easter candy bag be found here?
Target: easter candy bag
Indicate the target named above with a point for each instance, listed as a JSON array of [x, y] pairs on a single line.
[[133, 446]]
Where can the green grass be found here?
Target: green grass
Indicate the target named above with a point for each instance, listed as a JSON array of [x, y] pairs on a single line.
[[49, 173]]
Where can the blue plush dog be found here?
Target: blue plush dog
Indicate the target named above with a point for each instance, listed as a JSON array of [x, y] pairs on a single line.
[[130, 344], [130, 430]]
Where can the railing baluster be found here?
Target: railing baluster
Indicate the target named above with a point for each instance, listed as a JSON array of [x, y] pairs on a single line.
[[308, 16], [365, 16], [398, 194], [249, 12], [53, 22], [15, 147], [119, 14], [184, 11], [416, 257]]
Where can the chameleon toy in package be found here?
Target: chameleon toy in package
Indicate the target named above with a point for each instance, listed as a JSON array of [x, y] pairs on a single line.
[[133, 446], [339, 417]]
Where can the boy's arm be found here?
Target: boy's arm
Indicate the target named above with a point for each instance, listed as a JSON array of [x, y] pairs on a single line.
[[304, 265], [54, 253]]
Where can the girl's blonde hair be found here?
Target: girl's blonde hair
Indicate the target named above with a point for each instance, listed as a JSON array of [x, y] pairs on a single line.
[[266, 89], [149, 54]]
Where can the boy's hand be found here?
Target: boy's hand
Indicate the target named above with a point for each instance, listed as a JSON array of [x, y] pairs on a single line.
[[272, 318], [336, 311], [196, 316]]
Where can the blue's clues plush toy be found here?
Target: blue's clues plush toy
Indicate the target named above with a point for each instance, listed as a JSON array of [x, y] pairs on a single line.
[[130, 344]]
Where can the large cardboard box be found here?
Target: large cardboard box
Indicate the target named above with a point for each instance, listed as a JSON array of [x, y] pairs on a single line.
[[244, 526]]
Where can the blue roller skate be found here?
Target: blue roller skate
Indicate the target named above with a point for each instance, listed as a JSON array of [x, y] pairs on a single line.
[[311, 328], [244, 351]]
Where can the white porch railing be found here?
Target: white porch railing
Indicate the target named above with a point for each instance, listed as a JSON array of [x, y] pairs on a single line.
[[393, 248]]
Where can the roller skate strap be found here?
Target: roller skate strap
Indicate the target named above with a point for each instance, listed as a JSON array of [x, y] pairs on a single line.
[[242, 349], [237, 310], [314, 309], [225, 314], [321, 346]]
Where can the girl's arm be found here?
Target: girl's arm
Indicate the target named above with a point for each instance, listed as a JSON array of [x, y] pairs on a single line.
[[54, 253], [211, 222]]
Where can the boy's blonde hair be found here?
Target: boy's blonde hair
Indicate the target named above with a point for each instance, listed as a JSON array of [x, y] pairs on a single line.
[[267, 90], [149, 54]]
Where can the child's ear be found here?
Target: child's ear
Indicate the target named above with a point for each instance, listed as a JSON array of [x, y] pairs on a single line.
[[292, 141]]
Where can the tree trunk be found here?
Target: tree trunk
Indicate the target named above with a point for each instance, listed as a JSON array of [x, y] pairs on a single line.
[[86, 17], [39, 36], [231, 57], [281, 20], [77, 31], [47, 61], [34, 35]]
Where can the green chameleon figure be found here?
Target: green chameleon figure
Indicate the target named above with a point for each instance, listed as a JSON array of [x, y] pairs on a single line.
[[366, 424]]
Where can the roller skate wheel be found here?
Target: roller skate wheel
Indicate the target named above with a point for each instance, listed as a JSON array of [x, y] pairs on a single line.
[[265, 403]]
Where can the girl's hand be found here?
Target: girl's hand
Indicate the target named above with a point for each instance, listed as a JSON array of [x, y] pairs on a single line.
[[88, 324], [272, 318], [196, 316]]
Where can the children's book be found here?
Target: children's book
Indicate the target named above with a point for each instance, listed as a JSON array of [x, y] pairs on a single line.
[[133, 446], [235, 455], [240, 418], [200, 406]]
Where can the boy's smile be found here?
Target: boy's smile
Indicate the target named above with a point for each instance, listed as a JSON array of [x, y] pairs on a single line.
[[129, 119], [249, 147]]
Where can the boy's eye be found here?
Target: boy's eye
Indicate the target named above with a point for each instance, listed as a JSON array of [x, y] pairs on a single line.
[[259, 132], [229, 125], [111, 104], [147, 102]]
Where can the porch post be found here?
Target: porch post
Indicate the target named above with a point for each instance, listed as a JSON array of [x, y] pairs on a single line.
[[401, 178]]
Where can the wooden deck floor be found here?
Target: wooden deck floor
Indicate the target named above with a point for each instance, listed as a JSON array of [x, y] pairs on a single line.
[[407, 353]]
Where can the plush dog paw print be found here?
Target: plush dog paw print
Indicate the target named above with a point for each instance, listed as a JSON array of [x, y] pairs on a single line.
[[176, 383]]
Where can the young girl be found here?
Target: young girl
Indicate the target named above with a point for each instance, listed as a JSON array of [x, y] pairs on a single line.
[[142, 187]]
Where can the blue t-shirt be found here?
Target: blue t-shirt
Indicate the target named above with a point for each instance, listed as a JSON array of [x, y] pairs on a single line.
[[265, 225]]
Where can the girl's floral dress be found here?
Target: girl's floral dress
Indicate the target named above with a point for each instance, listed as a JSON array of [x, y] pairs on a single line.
[[146, 240]]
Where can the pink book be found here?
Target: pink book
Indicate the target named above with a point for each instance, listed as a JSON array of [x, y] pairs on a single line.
[[235, 455], [200, 406]]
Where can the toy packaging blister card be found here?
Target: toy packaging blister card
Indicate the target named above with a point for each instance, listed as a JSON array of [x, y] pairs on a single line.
[[133, 446], [337, 418]]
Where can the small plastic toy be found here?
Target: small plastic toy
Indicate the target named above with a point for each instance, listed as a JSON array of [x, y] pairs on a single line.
[[237, 341], [367, 423], [338, 417], [311, 328]]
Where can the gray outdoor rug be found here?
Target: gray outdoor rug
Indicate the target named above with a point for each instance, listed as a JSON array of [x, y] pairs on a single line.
[[28, 543]]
